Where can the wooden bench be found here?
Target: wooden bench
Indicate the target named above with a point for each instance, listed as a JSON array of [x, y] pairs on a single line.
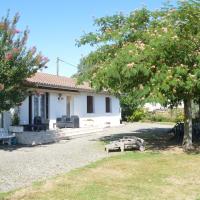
[[5, 137]]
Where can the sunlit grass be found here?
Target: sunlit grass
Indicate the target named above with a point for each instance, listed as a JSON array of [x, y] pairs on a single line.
[[128, 176]]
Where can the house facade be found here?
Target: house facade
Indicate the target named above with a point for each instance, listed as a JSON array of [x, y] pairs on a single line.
[[53, 96]]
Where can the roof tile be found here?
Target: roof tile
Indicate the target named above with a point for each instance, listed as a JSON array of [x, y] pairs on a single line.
[[54, 81]]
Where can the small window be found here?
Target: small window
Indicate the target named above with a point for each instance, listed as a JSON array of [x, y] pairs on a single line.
[[90, 106], [108, 103]]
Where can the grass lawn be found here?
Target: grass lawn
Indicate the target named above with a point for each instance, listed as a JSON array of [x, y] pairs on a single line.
[[129, 176]]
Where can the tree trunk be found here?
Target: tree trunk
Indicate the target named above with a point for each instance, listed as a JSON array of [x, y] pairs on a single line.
[[187, 140]]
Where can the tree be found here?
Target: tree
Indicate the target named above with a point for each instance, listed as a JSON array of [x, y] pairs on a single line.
[[157, 51], [17, 63], [1, 87]]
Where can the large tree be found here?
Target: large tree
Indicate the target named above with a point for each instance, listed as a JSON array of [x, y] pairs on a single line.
[[17, 63], [153, 51]]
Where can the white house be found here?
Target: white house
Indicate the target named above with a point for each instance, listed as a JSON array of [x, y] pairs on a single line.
[[53, 96]]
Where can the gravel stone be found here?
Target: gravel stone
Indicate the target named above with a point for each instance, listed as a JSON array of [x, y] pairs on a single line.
[[22, 166]]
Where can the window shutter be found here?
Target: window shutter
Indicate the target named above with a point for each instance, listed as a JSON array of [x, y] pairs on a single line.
[[47, 105], [107, 104], [30, 109], [90, 104]]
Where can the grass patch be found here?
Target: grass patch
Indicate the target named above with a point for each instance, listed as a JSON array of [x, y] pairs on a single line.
[[127, 176]]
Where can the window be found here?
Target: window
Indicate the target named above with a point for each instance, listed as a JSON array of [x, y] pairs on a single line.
[[36, 105], [41, 106], [108, 102], [90, 106]]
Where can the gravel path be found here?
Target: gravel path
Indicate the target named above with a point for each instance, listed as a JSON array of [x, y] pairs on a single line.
[[22, 166]]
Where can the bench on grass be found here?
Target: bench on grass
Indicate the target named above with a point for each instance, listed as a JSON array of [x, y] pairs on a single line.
[[5, 137]]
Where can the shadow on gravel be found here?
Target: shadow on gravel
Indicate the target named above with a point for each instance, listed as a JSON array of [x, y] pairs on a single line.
[[17, 147], [155, 138]]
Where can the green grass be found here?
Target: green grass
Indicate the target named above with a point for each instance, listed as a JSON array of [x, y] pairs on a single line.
[[127, 176]]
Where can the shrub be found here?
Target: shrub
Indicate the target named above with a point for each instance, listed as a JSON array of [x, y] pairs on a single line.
[[179, 117], [157, 118], [15, 119], [175, 115], [137, 115]]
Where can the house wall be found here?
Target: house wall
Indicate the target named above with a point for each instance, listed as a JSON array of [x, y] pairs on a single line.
[[6, 119], [78, 106], [23, 112], [99, 118], [57, 107]]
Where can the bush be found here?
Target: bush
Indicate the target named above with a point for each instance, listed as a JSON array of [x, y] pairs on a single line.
[[166, 116], [157, 118], [137, 115], [179, 117], [15, 119]]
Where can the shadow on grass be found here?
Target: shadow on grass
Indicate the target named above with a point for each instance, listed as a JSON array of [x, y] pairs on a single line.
[[155, 139]]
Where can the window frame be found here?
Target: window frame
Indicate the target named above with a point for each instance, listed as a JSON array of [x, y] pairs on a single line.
[[90, 108]]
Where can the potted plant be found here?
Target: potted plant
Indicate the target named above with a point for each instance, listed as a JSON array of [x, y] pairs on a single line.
[[16, 128]]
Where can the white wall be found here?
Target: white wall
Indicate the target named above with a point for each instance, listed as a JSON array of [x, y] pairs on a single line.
[[57, 107], [99, 117], [6, 120], [23, 112]]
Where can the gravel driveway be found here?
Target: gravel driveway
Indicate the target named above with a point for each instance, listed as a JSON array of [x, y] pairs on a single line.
[[22, 166]]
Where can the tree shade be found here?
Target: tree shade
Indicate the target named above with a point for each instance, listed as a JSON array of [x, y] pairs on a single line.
[[153, 53]]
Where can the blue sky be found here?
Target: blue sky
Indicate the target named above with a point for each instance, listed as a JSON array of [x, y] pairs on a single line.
[[56, 24]]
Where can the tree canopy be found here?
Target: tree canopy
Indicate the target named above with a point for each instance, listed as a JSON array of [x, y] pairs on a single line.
[[153, 51], [17, 62]]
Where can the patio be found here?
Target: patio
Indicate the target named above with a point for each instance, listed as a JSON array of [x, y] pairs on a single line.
[[51, 136]]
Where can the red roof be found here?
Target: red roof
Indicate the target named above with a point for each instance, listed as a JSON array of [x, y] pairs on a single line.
[[59, 82]]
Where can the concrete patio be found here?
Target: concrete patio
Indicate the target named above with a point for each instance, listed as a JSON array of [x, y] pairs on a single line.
[[51, 136]]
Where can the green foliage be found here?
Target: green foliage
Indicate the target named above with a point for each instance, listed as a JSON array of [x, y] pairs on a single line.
[[131, 102], [174, 115], [179, 117], [17, 62], [15, 119], [159, 50], [154, 117], [137, 115]]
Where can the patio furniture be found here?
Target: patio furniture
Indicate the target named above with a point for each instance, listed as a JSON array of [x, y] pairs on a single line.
[[39, 124], [5, 137], [67, 122]]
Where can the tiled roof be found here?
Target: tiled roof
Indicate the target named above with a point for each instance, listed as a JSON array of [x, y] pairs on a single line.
[[58, 82]]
